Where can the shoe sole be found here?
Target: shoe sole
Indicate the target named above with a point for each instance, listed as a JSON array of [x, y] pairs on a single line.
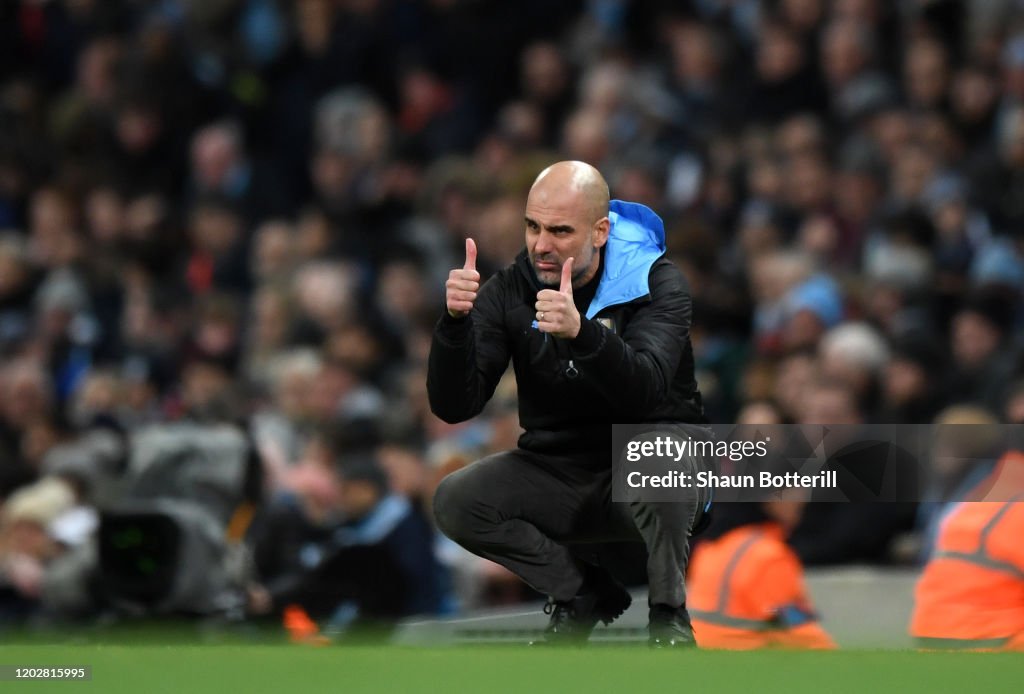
[[610, 609]]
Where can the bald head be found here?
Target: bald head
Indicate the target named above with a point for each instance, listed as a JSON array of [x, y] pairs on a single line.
[[579, 178], [567, 218]]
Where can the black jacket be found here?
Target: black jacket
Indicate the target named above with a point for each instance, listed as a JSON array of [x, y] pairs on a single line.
[[630, 363]]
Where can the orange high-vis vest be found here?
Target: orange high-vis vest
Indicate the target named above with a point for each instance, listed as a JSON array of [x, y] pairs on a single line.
[[971, 593], [746, 590]]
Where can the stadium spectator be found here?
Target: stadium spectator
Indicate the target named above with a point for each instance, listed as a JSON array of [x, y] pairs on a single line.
[[221, 168], [374, 564], [909, 393], [836, 533], [981, 361]]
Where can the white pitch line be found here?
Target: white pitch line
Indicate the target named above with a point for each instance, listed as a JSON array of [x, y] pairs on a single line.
[[472, 619]]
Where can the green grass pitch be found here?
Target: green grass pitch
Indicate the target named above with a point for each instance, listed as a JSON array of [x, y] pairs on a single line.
[[246, 669]]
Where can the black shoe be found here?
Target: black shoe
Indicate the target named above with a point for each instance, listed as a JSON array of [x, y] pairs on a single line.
[[572, 621], [669, 627]]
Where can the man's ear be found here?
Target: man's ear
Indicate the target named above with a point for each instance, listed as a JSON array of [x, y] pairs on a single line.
[[601, 229]]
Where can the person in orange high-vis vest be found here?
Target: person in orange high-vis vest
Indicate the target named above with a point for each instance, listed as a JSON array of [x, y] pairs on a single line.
[[971, 593], [746, 587]]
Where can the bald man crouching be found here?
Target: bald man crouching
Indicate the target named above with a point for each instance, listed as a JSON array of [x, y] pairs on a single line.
[[596, 323]]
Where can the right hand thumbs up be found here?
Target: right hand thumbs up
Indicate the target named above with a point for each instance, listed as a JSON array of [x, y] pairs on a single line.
[[463, 284]]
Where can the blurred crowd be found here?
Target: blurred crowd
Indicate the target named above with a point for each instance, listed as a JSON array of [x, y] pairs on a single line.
[[240, 214]]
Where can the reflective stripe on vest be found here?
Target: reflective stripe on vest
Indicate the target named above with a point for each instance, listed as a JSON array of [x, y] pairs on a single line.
[[723, 620], [723, 588], [981, 557], [983, 560]]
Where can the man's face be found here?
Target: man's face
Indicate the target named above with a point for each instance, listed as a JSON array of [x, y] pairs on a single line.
[[975, 339], [357, 498], [830, 405], [559, 226]]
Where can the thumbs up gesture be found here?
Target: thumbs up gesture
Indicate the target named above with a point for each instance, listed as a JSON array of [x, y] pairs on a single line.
[[556, 311], [463, 284]]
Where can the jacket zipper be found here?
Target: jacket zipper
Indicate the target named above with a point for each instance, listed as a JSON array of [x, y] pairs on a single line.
[[571, 371]]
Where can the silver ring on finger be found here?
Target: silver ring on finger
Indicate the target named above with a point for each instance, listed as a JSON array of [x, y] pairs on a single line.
[[540, 316]]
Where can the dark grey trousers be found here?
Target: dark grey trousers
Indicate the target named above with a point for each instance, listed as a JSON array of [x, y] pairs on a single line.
[[525, 511]]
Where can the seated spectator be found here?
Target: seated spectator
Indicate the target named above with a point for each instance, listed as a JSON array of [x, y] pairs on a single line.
[[854, 355], [909, 392], [839, 533], [376, 566], [980, 341], [806, 307]]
